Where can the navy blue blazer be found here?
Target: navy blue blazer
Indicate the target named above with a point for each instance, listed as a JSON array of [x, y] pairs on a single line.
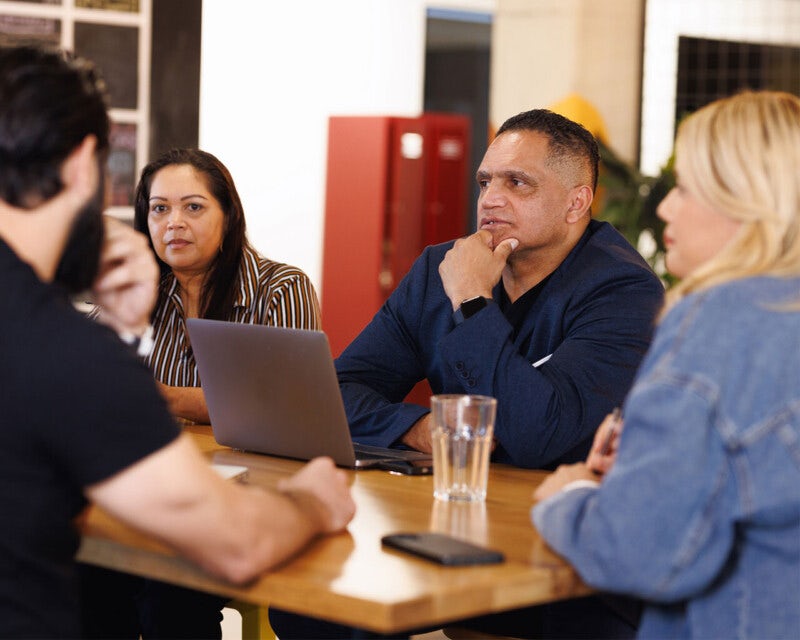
[[585, 335]]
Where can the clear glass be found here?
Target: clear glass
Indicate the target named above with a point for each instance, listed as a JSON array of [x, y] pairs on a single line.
[[462, 427]]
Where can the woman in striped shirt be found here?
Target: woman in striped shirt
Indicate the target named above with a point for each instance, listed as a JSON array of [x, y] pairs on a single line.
[[186, 202]]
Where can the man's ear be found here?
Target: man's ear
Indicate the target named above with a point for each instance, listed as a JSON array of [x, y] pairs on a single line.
[[580, 200], [79, 171], [38, 235]]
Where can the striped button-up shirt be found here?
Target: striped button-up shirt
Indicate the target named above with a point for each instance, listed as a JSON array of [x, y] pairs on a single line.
[[269, 293]]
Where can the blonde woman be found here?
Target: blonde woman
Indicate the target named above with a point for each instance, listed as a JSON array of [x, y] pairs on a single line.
[[698, 512]]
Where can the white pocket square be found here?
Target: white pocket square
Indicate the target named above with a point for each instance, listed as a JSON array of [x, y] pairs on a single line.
[[542, 361]]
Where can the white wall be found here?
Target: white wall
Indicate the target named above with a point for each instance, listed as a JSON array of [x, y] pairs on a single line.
[[271, 74], [547, 50], [764, 21]]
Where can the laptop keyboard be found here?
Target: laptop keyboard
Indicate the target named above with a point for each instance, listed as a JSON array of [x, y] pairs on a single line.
[[369, 452]]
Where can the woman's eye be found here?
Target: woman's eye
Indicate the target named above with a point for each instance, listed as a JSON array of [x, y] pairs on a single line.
[[158, 208], [194, 206]]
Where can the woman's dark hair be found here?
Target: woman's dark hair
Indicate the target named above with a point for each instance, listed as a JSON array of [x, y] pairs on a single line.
[[49, 102], [218, 292]]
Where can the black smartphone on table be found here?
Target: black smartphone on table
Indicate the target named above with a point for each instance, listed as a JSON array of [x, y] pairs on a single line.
[[442, 548]]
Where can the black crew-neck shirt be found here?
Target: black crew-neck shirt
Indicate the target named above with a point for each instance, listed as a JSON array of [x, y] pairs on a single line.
[[76, 407], [517, 312]]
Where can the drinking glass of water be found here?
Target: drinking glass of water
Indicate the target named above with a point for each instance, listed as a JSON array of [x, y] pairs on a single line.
[[462, 427]]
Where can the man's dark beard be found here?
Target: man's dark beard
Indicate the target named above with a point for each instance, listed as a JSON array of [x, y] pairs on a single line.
[[80, 261]]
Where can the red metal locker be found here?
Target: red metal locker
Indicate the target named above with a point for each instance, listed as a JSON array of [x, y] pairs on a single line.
[[394, 185]]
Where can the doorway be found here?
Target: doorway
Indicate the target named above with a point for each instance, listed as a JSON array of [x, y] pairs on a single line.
[[457, 58]]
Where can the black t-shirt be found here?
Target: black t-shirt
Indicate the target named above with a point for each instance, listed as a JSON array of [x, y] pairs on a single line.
[[76, 407], [517, 312]]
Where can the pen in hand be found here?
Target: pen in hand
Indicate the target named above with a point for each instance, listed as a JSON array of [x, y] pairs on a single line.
[[613, 430]]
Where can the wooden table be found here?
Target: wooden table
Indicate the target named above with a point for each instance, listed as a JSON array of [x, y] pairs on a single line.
[[349, 578]]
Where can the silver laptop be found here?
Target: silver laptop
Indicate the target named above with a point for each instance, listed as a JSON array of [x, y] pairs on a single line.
[[273, 390]]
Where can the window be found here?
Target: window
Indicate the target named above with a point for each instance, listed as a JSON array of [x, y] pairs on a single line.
[[711, 69], [115, 34]]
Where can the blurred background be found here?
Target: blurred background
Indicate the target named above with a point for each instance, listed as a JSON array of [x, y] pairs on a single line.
[[325, 112]]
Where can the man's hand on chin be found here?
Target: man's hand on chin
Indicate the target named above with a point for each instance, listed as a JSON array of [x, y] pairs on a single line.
[[472, 267]]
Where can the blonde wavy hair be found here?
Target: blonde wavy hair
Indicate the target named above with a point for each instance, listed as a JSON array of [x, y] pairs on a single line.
[[741, 156]]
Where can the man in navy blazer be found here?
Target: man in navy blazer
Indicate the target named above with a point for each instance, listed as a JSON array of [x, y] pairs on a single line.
[[543, 308]]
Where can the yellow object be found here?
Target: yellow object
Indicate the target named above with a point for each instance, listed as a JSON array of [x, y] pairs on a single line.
[[255, 621], [584, 112]]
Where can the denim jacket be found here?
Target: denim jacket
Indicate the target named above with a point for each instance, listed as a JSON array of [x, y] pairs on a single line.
[[700, 515]]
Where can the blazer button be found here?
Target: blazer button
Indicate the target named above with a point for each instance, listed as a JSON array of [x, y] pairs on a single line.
[[471, 382], [460, 365], [465, 374]]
